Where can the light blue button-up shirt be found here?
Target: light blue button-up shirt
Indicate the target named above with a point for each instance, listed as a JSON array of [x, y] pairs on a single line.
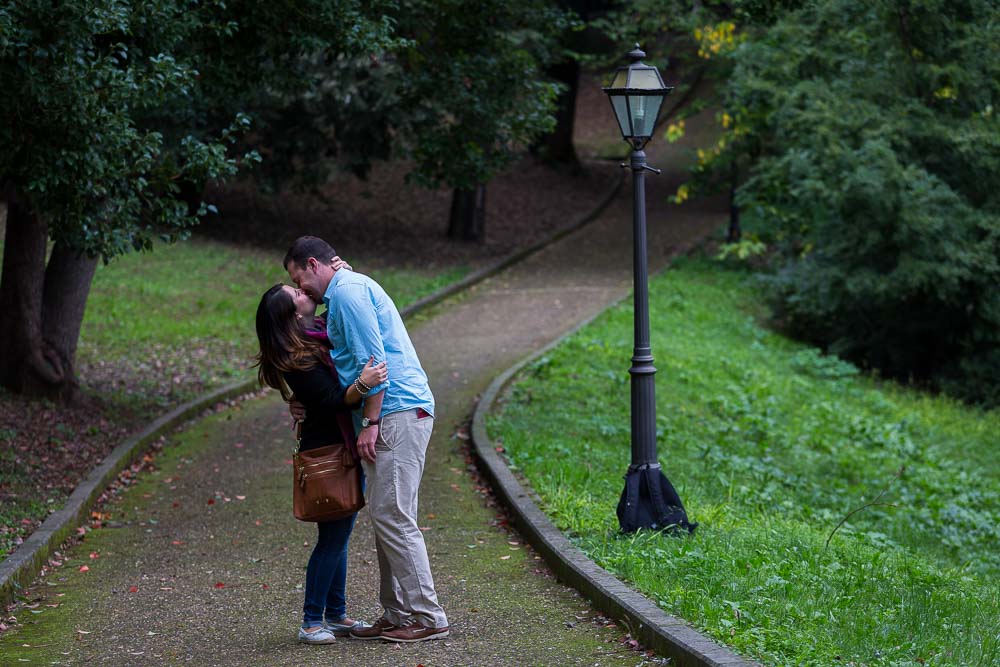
[[363, 321]]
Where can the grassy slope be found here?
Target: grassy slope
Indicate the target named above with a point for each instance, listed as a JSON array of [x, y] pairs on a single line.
[[193, 304], [202, 289], [770, 444]]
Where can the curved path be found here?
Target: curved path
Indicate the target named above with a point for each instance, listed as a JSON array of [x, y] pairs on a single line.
[[203, 560]]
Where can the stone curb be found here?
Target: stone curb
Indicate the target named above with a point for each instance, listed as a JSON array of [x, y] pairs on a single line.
[[667, 635], [20, 568]]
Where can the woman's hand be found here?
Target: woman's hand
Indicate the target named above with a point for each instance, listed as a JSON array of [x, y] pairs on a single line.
[[337, 264], [296, 410], [374, 374]]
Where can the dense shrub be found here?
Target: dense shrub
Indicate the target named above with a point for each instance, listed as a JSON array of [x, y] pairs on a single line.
[[873, 138]]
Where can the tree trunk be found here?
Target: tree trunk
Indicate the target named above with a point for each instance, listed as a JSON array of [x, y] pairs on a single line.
[[68, 277], [26, 365], [557, 146], [735, 233], [468, 214]]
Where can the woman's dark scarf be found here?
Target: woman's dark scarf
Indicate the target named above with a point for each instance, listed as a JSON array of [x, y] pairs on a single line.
[[318, 332]]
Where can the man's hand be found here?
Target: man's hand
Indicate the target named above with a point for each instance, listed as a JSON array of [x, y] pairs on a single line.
[[296, 410], [366, 442]]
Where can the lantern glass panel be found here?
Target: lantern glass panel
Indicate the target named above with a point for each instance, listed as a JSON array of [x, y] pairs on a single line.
[[621, 79], [645, 79], [644, 110], [621, 114]]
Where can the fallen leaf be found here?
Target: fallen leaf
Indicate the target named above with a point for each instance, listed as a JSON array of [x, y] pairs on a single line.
[[507, 557], [241, 497], [133, 589], [84, 568], [211, 501], [238, 445], [177, 543], [94, 555], [220, 585]]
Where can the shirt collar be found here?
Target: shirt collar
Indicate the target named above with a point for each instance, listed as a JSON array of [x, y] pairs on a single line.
[[328, 295]]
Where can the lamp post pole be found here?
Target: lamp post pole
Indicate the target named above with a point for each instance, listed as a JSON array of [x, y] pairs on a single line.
[[648, 499], [642, 371]]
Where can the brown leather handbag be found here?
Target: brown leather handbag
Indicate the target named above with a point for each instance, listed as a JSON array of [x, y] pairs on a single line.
[[327, 484]]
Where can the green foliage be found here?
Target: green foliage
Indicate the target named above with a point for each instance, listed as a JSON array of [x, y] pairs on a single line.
[[472, 87], [460, 92], [770, 444], [120, 112], [80, 75], [873, 142]]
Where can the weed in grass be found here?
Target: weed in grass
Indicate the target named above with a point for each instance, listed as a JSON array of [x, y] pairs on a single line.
[[771, 444]]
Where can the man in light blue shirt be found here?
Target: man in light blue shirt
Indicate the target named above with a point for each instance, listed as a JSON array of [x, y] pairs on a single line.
[[361, 318], [394, 428]]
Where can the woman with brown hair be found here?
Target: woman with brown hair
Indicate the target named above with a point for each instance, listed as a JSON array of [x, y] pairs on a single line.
[[295, 359]]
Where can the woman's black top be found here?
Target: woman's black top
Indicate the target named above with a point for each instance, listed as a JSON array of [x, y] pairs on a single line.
[[319, 390]]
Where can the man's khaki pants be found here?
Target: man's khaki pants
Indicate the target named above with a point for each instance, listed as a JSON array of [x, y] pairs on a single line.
[[406, 588]]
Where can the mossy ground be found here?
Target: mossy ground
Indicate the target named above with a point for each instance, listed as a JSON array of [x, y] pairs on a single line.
[[206, 541]]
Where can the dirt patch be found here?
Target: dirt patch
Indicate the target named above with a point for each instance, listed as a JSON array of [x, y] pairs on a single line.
[[387, 221]]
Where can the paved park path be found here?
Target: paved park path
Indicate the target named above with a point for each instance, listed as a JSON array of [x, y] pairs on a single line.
[[203, 563]]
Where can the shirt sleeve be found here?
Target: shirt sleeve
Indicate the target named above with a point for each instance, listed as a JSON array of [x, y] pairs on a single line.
[[317, 389], [359, 321]]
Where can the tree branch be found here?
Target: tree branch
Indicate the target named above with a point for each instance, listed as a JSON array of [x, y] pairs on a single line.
[[874, 503]]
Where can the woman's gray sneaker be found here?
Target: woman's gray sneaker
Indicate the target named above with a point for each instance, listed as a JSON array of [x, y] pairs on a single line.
[[318, 636], [344, 630]]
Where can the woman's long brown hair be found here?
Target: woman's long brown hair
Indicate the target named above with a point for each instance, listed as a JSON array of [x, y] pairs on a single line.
[[283, 345]]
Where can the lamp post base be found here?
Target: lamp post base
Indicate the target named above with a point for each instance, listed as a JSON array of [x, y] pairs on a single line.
[[650, 501]]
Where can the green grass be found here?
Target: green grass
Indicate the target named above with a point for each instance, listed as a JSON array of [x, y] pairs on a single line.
[[191, 306], [770, 445], [206, 290]]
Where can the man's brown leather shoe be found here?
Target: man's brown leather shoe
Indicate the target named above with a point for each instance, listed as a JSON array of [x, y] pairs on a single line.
[[414, 632], [373, 631]]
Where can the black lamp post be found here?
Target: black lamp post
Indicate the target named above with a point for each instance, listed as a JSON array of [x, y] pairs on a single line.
[[648, 500]]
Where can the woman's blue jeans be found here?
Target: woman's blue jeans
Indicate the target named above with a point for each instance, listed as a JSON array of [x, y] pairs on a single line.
[[326, 576]]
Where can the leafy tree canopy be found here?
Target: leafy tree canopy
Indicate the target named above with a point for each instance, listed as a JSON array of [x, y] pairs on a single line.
[[459, 92], [871, 139], [114, 105]]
